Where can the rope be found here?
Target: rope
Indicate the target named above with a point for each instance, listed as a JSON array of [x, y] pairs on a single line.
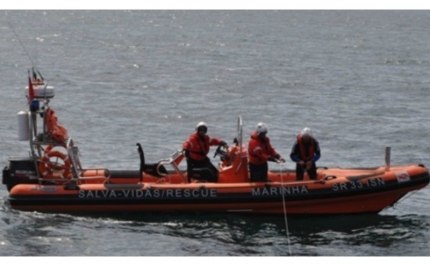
[[409, 194], [285, 210]]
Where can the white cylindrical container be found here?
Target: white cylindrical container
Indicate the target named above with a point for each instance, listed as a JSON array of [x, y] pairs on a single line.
[[23, 127], [42, 91]]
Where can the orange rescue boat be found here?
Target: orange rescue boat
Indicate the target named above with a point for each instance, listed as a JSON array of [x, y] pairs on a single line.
[[51, 179]]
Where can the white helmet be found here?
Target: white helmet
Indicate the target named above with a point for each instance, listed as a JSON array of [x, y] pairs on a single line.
[[261, 128], [306, 132], [200, 125]]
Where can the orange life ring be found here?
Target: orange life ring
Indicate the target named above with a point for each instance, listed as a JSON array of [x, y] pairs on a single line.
[[46, 167]]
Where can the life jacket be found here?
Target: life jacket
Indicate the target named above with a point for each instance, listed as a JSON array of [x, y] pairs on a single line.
[[199, 148], [307, 152], [259, 150], [57, 132]]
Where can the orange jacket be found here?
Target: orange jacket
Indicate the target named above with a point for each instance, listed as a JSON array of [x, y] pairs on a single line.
[[199, 148], [58, 132], [260, 150]]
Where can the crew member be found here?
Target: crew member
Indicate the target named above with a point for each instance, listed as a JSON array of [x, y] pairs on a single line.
[[305, 152], [259, 152], [196, 149]]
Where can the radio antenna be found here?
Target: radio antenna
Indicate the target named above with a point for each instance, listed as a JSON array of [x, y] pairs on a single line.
[[16, 35]]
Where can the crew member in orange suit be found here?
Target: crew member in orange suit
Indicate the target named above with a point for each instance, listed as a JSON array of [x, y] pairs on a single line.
[[259, 152], [196, 149], [305, 152]]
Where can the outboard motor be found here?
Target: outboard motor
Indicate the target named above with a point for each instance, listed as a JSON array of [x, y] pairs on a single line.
[[20, 171]]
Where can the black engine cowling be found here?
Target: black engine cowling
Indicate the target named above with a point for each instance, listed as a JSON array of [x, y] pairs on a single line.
[[19, 171]]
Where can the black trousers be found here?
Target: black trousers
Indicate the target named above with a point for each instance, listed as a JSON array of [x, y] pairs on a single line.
[[300, 170], [202, 170], [258, 172]]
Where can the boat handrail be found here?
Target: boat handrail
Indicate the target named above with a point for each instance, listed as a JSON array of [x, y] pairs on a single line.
[[92, 177], [176, 155], [32, 127], [387, 158], [239, 139], [162, 163], [171, 161], [73, 153]]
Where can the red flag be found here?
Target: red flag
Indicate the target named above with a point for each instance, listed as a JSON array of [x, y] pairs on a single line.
[[30, 90]]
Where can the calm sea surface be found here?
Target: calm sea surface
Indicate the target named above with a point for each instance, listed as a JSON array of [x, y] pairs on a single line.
[[359, 79]]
